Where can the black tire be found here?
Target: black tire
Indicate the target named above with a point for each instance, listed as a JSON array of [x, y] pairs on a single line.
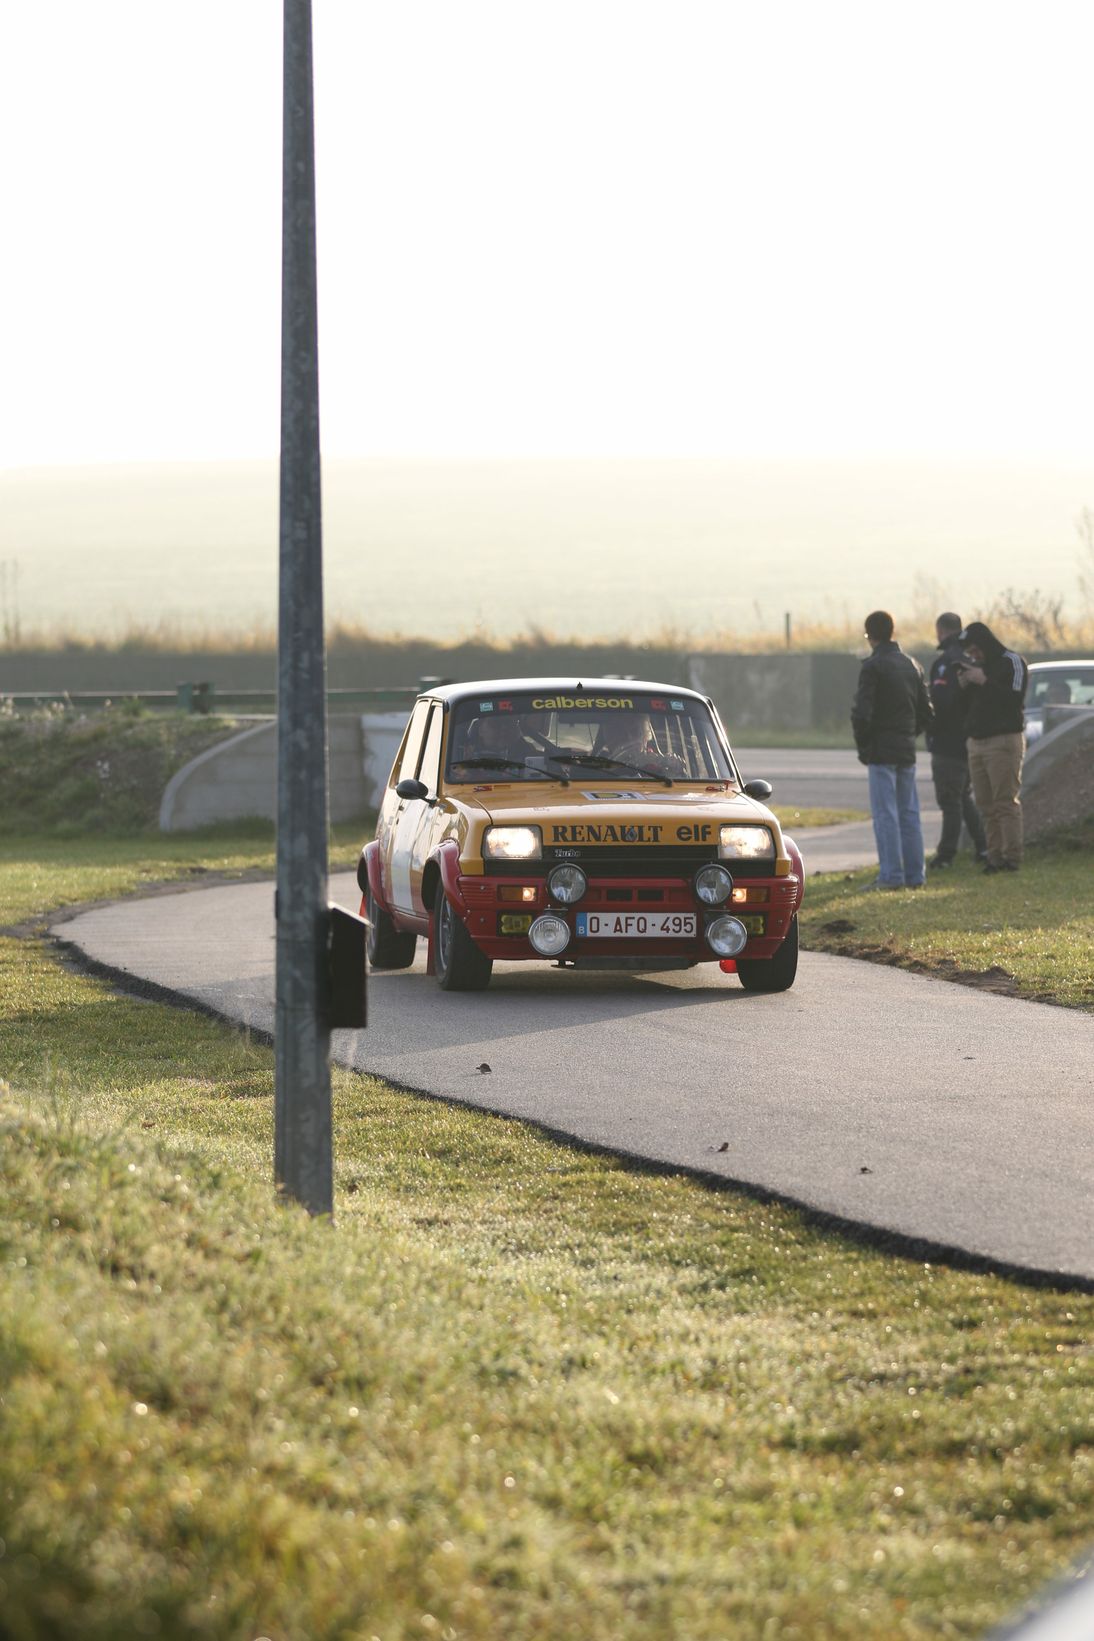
[[772, 973], [459, 964], [387, 946]]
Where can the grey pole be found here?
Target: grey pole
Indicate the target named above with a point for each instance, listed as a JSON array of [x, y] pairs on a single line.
[[302, 1109]]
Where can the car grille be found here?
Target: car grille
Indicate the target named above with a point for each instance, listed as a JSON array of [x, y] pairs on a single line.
[[638, 861]]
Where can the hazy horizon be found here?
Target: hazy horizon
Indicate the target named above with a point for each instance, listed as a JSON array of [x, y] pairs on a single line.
[[577, 547]]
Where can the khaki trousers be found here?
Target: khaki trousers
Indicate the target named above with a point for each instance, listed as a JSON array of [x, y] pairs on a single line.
[[995, 765]]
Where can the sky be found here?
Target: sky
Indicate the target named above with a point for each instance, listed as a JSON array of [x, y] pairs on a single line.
[[603, 228]]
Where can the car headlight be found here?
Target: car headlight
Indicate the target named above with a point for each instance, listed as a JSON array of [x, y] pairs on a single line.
[[512, 843], [746, 843], [713, 884], [567, 884], [726, 936], [549, 935]]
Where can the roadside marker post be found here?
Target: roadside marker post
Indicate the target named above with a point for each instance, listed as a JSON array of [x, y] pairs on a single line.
[[303, 1162]]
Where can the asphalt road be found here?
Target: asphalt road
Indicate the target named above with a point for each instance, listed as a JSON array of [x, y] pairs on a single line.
[[832, 780], [822, 778], [902, 1103]]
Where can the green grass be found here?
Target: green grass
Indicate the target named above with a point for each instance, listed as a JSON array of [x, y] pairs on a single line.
[[801, 819], [47, 873], [70, 774], [1030, 933], [518, 1390]]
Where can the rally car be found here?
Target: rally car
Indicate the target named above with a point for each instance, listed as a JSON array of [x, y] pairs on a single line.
[[594, 823]]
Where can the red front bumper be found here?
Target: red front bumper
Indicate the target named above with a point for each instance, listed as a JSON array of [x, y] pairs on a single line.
[[483, 902]]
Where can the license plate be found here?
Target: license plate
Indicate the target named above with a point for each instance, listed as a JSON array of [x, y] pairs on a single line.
[[636, 925]]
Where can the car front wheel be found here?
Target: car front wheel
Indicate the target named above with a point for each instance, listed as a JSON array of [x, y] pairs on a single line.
[[387, 946], [772, 973], [459, 964]]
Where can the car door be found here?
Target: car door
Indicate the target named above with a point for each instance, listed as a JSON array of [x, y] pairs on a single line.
[[432, 820], [412, 821], [391, 830]]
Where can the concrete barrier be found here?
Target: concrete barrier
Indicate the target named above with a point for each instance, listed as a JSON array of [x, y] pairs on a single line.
[[777, 691], [1058, 775], [381, 733], [237, 778], [1069, 734]]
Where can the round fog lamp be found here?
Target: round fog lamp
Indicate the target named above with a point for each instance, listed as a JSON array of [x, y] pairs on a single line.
[[726, 936], [567, 884], [550, 935], [713, 884]]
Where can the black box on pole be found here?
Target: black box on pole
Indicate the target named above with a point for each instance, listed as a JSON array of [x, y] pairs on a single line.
[[347, 969]]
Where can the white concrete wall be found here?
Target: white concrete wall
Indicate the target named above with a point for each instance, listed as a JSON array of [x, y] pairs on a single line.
[[381, 733], [238, 778]]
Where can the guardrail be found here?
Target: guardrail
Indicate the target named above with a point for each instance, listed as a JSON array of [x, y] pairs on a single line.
[[205, 698]]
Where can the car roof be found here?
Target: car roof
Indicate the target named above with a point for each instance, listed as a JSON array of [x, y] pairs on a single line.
[[1059, 666], [572, 684]]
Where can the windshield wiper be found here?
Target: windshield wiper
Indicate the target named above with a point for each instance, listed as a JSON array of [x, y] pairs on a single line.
[[588, 761], [490, 761]]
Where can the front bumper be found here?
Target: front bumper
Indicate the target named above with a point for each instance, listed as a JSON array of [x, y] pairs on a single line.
[[497, 911]]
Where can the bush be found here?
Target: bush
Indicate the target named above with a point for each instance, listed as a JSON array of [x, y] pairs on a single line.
[[71, 774]]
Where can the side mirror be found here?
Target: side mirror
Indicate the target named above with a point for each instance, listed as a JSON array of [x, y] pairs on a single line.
[[410, 788], [757, 789]]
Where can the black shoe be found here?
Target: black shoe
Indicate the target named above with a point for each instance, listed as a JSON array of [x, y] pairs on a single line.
[[990, 870], [1007, 866], [938, 864]]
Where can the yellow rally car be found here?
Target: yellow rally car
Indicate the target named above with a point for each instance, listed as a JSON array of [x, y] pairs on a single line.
[[594, 822]]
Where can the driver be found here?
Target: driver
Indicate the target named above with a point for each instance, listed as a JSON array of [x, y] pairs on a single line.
[[628, 736]]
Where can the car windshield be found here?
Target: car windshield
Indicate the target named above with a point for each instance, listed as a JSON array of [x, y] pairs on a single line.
[[584, 735], [1061, 687]]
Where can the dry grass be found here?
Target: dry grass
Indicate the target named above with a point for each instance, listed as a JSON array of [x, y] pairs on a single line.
[[1028, 619]]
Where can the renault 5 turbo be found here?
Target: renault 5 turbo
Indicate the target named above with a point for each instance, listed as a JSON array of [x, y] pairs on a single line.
[[590, 823]]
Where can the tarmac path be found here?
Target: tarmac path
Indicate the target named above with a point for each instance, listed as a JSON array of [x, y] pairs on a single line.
[[832, 779], [910, 1105]]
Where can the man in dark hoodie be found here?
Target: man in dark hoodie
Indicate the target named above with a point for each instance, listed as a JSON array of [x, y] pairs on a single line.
[[890, 709], [996, 680], [947, 746]]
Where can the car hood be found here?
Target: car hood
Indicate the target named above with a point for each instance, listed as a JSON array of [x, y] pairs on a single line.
[[650, 814]]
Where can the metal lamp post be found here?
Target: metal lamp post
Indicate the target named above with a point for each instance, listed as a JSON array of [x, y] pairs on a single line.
[[302, 1115]]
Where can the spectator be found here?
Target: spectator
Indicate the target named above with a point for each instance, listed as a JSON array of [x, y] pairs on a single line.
[[890, 709], [946, 745], [996, 679]]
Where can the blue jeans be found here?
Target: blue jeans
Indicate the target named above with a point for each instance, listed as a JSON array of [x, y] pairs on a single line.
[[894, 806]]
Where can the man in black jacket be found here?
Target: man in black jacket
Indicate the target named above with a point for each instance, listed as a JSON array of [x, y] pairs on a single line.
[[946, 745], [996, 681], [890, 709]]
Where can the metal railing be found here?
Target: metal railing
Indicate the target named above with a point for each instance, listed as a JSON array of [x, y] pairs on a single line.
[[205, 698]]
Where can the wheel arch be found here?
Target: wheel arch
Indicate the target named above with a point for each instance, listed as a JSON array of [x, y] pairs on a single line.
[[430, 879], [369, 875], [443, 866], [799, 867]]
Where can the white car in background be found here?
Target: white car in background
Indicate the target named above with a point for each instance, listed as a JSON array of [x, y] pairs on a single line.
[[1056, 684]]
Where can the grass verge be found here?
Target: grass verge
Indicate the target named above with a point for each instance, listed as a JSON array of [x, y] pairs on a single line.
[[801, 819], [68, 774], [1026, 934], [519, 1389]]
